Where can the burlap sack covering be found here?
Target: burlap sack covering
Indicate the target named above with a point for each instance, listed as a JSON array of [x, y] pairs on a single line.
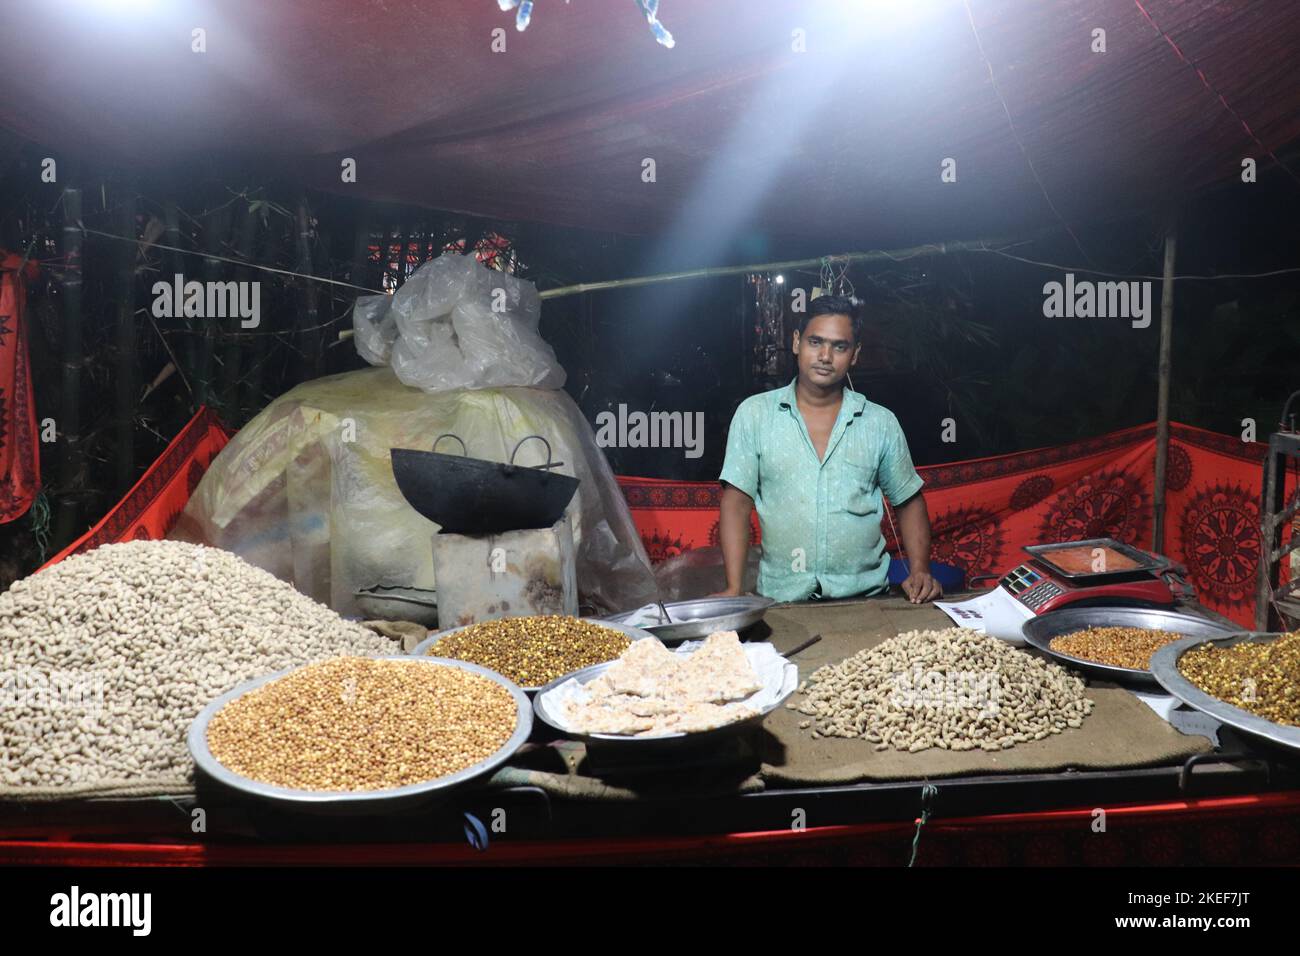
[[1120, 732]]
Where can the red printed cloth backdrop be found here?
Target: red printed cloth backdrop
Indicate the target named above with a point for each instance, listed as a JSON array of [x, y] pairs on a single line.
[[20, 460], [152, 506], [983, 511]]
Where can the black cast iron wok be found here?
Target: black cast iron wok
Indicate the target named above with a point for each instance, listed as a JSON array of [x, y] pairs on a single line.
[[475, 496]]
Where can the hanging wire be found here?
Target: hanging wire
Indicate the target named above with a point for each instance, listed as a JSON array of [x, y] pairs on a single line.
[[928, 793], [1015, 133]]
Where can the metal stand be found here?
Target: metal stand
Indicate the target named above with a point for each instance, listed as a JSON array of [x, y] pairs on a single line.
[[1277, 604]]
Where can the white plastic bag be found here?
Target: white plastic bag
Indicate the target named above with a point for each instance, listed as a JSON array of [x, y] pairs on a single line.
[[457, 324]]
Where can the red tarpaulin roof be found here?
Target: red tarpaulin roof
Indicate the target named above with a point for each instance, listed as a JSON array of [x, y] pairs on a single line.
[[845, 140]]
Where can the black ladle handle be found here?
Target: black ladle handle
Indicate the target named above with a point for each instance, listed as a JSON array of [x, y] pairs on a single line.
[[463, 450], [549, 464]]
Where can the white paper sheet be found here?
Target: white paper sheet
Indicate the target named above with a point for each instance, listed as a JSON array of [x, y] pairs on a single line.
[[995, 613], [1179, 716], [647, 616]]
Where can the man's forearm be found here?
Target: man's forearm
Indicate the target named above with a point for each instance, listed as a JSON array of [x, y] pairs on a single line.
[[733, 535], [914, 530]]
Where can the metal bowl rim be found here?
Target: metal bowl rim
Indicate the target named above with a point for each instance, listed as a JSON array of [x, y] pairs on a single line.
[[1113, 670], [635, 633], [1164, 664], [750, 605], [197, 741], [483, 465], [590, 673]]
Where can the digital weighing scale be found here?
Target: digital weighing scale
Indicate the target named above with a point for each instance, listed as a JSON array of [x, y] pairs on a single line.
[[1048, 581]]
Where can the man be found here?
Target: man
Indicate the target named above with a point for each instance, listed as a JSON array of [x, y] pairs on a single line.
[[814, 457]]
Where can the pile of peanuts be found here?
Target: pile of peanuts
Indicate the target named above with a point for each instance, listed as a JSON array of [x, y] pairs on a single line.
[[953, 689], [107, 656]]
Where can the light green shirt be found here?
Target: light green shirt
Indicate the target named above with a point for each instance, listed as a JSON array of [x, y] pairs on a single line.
[[820, 518]]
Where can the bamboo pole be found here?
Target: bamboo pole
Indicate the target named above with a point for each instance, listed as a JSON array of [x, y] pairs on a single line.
[[360, 252], [361, 247], [216, 224], [271, 249], [930, 249], [126, 374], [1162, 399], [176, 266], [309, 336], [69, 425], [232, 352]]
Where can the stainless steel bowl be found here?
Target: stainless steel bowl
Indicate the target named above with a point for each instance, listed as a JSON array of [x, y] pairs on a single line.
[[1164, 665], [647, 745], [1040, 630], [635, 633], [361, 801], [702, 616]]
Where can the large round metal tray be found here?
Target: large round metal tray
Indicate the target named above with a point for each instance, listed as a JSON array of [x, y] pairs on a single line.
[[635, 633], [703, 616], [360, 801], [1165, 667], [668, 742], [1040, 630]]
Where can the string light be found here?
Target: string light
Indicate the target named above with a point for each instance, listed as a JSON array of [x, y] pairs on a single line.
[[524, 15]]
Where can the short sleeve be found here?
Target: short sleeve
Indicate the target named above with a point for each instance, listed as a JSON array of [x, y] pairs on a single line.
[[740, 467], [896, 475]]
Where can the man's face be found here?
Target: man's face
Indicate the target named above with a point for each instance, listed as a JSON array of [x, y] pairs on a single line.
[[825, 350]]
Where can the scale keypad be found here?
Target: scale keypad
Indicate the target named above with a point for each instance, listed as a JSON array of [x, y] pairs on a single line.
[[1035, 598], [1030, 587]]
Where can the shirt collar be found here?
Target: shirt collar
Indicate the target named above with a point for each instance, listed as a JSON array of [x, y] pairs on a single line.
[[854, 402]]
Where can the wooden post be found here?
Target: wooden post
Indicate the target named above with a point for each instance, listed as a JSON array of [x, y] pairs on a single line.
[[232, 351], [1162, 400], [125, 376], [309, 337], [216, 224], [69, 424], [361, 249], [189, 352], [272, 246], [360, 269]]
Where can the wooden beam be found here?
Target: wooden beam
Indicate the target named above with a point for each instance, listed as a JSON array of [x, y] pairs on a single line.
[[126, 389], [67, 525], [1162, 399]]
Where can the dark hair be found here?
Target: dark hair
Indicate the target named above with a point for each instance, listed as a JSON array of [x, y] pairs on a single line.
[[833, 305]]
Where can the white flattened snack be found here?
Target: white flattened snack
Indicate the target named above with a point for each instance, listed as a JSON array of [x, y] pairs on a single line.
[[650, 691], [643, 669], [698, 717], [604, 717], [718, 671]]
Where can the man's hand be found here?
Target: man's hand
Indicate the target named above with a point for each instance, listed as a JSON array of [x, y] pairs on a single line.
[[914, 535], [920, 587]]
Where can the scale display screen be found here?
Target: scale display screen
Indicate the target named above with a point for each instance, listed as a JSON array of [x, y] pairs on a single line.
[[1095, 557], [1095, 571], [1030, 587]]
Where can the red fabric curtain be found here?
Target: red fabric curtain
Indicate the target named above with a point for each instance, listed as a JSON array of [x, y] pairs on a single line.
[[20, 458], [983, 511]]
